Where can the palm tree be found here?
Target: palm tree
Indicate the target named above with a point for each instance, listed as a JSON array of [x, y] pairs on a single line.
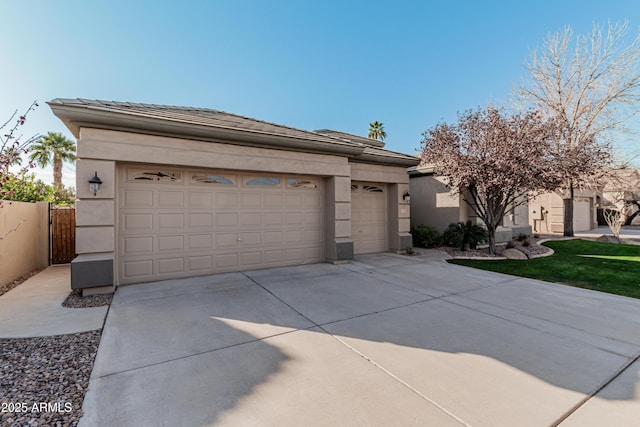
[[54, 148], [376, 131]]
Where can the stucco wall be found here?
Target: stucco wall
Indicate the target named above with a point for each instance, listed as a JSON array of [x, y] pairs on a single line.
[[546, 212], [104, 152], [432, 204], [131, 147], [519, 217], [24, 239]]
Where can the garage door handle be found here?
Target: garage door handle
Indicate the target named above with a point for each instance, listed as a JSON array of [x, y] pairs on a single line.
[[239, 239]]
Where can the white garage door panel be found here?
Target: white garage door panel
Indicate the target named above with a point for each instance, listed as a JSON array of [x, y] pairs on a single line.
[[369, 217], [178, 223], [581, 214]]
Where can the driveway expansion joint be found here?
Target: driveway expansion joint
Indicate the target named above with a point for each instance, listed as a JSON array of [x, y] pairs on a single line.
[[362, 355], [591, 395], [399, 380]]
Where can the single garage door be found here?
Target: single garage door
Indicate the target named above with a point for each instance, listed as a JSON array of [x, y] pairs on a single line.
[[581, 214], [176, 223], [369, 217]]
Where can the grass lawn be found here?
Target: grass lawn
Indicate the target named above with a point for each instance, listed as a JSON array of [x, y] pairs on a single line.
[[606, 267]]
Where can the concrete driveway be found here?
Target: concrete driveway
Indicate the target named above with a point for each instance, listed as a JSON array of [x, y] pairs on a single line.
[[384, 340]]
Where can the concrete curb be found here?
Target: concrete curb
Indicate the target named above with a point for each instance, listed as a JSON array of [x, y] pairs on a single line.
[[501, 258]]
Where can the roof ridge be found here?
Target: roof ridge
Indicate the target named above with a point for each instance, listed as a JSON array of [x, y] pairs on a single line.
[[144, 104]]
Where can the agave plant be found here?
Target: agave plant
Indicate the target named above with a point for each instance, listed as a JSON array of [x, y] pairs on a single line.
[[465, 235]]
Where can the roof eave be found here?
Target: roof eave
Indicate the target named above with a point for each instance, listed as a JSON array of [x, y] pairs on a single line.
[[425, 170], [386, 160]]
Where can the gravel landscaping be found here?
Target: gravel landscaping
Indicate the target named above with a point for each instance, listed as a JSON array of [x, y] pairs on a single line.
[[76, 300], [44, 379], [532, 249]]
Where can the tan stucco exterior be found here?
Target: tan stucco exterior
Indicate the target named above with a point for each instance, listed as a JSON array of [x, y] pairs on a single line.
[[107, 151], [132, 147], [433, 204], [24, 239], [546, 212]]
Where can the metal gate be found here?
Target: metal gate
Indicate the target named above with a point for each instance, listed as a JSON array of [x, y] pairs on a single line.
[[63, 235]]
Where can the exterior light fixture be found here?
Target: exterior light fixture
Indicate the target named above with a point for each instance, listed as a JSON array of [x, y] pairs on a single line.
[[94, 184], [406, 197]]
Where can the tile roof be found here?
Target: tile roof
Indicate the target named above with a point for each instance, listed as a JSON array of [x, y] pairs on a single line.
[[351, 137], [208, 123], [194, 115]]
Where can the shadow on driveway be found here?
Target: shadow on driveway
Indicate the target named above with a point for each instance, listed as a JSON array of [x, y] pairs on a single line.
[[383, 340]]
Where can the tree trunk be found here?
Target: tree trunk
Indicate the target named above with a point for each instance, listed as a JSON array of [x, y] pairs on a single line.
[[491, 231], [57, 171], [631, 217], [568, 213]]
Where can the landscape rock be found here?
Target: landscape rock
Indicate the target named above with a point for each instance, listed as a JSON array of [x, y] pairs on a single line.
[[512, 253]]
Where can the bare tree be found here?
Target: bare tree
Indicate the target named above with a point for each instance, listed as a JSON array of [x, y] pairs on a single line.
[[614, 220], [492, 159], [621, 189], [590, 84]]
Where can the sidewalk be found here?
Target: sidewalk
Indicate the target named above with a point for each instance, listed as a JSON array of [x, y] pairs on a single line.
[[627, 234], [33, 309]]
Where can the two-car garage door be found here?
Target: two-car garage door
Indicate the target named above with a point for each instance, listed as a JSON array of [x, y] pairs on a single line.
[[177, 223]]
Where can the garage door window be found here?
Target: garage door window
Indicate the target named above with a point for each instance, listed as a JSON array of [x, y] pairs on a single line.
[[300, 183], [204, 178], [264, 182], [157, 176], [372, 189]]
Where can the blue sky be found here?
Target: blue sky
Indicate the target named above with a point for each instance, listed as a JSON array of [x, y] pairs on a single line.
[[310, 65]]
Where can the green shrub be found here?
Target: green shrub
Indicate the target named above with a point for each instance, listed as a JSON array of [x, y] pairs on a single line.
[[465, 235], [425, 236], [27, 188], [600, 216]]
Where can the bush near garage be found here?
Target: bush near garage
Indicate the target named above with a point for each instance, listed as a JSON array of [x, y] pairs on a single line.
[[425, 236], [465, 235]]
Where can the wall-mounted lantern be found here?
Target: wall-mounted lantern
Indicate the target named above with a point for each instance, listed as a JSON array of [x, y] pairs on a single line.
[[94, 184], [406, 197]]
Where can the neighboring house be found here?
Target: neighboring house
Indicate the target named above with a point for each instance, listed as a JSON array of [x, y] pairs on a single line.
[[546, 212], [622, 191], [432, 204], [192, 191]]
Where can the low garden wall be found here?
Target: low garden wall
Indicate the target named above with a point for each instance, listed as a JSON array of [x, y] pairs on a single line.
[[24, 239]]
